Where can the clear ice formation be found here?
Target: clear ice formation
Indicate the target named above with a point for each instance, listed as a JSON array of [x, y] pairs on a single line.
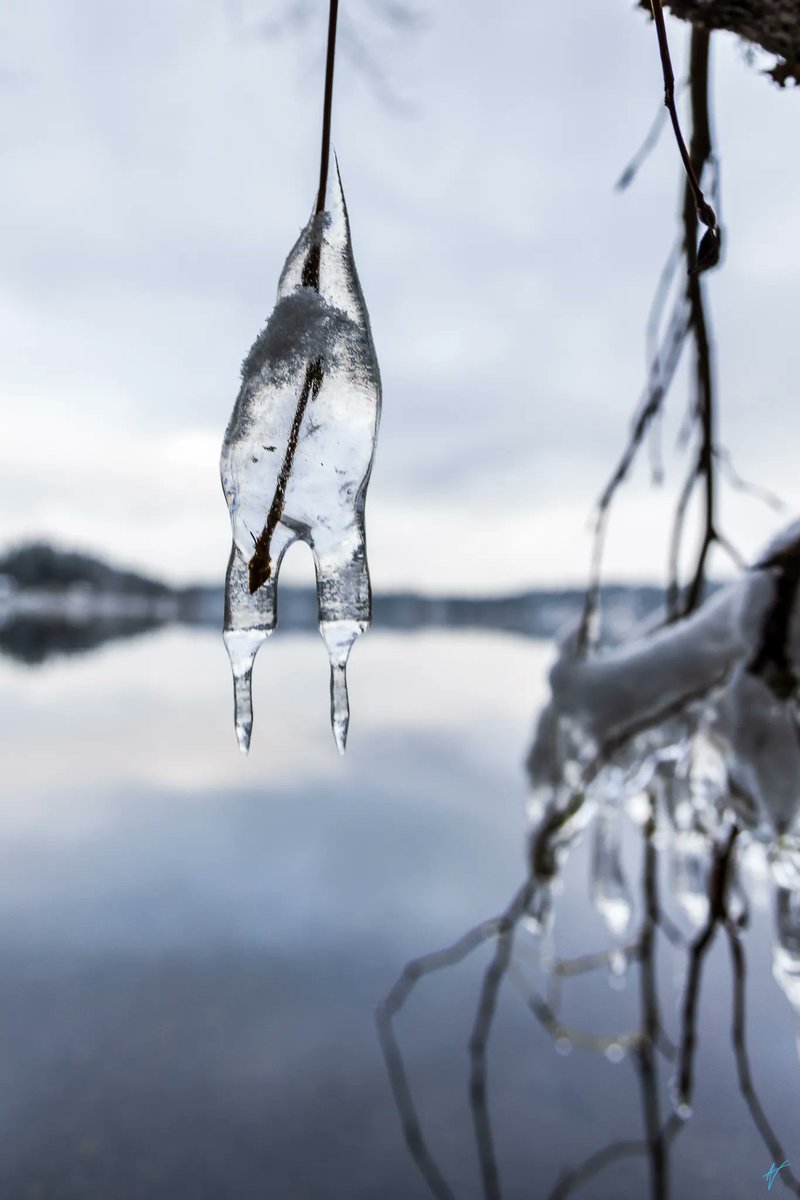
[[692, 729], [786, 950], [610, 893], [297, 457]]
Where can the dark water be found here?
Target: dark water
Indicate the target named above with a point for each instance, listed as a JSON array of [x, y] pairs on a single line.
[[193, 945]]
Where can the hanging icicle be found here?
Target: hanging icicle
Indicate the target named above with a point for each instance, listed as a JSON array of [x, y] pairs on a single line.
[[298, 450]]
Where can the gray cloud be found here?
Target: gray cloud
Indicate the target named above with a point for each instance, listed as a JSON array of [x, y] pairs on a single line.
[[159, 161]]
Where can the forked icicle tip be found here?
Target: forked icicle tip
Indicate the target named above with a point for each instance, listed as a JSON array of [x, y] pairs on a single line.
[[340, 736], [340, 706], [243, 734]]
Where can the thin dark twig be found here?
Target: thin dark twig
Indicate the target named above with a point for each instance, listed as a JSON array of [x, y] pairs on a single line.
[[717, 891], [704, 380], [658, 303], [650, 141], [656, 450], [738, 1038], [570, 1182], [673, 584], [438, 960], [731, 551], [547, 1015], [646, 1042], [705, 213], [407, 1110], [703, 408], [542, 864], [688, 317], [724, 458], [646, 1055], [565, 968], [648, 145], [593, 1165], [479, 1040], [260, 567], [670, 930], [662, 373], [418, 968], [327, 106]]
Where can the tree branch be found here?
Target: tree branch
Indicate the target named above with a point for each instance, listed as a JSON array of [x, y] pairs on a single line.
[[772, 24], [708, 254]]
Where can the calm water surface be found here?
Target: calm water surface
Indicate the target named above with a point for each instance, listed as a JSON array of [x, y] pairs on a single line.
[[193, 944]]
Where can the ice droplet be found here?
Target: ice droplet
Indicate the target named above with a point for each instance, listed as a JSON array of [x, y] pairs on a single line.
[[538, 915], [297, 456], [614, 1052], [680, 1105], [638, 807], [618, 963]]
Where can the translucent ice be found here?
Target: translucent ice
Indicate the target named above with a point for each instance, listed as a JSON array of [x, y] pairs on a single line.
[[610, 894], [786, 950], [297, 457], [618, 963], [690, 872]]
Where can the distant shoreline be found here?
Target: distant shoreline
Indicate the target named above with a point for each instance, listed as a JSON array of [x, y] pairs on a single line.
[[54, 602]]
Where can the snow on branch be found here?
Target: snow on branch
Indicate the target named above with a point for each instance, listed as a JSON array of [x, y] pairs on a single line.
[[774, 25]]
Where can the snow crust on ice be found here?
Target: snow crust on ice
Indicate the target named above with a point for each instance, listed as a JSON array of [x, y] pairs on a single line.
[[297, 457]]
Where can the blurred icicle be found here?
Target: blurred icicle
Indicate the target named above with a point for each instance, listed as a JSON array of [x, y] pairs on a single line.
[[609, 888], [763, 755], [690, 862], [786, 950], [737, 903], [707, 778], [297, 458]]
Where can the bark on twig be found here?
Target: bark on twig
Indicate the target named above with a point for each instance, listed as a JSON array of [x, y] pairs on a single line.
[[774, 25], [708, 253], [260, 566]]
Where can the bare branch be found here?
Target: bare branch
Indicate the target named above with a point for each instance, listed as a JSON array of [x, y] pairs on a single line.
[[708, 253], [738, 1038]]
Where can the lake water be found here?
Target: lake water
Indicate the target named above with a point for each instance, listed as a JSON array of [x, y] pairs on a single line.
[[193, 944]]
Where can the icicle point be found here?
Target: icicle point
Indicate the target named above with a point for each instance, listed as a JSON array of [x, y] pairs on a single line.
[[243, 708], [242, 646], [340, 706], [339, 637]]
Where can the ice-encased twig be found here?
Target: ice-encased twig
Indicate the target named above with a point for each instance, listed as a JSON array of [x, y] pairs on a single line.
[[297, 457]]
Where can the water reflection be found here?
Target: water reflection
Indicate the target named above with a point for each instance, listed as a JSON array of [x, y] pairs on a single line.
[[193, 946], [698, 787]]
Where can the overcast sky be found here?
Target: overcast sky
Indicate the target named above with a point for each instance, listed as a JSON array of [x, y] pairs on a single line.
[[158, 160]]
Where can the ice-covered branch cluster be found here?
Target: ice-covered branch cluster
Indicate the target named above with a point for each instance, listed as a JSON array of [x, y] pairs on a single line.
[[730, 668], [700, 719], [688, 735]]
